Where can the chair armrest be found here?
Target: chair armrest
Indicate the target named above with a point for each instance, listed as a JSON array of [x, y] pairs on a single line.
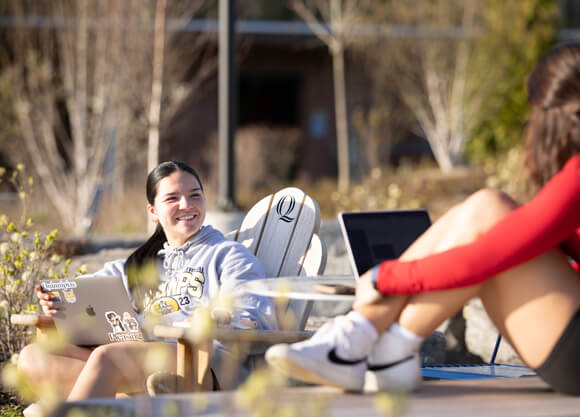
[[237, 335], [266, 336], [38, 320], [169, 332], [233, 235]]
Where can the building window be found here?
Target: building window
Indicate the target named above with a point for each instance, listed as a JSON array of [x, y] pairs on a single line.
[[271, 100]]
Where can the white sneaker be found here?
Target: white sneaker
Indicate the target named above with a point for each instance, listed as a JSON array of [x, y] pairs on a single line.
[[316, 361], [391, 367]]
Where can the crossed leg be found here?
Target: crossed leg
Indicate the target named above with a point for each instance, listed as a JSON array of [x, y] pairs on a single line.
[[60, 369], [530, 304], [81, 373]]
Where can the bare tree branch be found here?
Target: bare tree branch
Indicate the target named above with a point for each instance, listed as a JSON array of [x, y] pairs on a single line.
[[308, 16], [82, 90]]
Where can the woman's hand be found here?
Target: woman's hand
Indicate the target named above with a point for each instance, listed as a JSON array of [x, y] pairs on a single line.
[[365, 291], [45, 301], [221, 316]]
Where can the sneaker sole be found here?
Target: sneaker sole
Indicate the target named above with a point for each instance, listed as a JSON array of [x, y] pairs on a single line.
[[402, 377], [298, 372]]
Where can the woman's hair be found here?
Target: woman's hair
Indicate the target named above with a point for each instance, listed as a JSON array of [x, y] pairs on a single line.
[[147, 252], [553, 133]]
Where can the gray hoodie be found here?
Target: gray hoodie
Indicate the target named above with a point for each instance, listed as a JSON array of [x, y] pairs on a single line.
[[193, 274]]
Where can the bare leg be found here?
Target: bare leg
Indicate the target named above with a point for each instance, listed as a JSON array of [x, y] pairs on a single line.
[[530, 304], [460, 225], [59, 370], [122, 367]]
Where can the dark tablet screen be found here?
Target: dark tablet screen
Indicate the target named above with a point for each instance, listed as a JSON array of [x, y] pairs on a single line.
[[375, 236]]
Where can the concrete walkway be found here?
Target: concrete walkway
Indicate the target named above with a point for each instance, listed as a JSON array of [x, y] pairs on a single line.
[[527, 396]]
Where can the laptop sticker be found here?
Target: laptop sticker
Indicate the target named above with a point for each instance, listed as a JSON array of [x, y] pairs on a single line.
[[164, 305], [58, 285], [130, 322], [115, 321], [123, 330], [55, 296], [70, 296]]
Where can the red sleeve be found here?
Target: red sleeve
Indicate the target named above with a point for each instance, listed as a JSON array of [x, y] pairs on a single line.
[[550, 219]]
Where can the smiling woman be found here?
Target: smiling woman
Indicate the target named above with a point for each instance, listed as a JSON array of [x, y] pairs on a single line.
[[179, 206], [195, 263]]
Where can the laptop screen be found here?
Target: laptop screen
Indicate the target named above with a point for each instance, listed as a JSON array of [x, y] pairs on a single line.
[[375, 236]]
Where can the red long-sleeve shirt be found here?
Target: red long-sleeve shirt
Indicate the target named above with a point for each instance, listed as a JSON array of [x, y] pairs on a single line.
[[551, 219]]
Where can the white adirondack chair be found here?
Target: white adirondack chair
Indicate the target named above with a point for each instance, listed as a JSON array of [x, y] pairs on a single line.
[[281, 230]]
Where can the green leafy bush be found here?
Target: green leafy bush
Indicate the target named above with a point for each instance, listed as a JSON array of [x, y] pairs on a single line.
[[517, 35], [25, 258]]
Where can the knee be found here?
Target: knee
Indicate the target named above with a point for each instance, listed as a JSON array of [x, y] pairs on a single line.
[[31, 360], [491, 202], [101, 359], [487, 206]]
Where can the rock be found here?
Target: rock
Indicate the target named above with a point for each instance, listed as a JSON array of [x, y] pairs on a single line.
[[481, 336], [433, 349]]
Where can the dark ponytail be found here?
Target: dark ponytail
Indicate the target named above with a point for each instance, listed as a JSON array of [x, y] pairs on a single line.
[[146, 254]]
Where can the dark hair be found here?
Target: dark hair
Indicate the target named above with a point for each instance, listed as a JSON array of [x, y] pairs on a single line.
[[553, 132], [147, 252]]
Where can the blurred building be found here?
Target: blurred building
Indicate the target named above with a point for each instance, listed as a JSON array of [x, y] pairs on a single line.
[[285, 82]]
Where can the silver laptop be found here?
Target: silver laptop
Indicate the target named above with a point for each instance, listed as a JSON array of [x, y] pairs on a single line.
[[93, 310], [375, 236]]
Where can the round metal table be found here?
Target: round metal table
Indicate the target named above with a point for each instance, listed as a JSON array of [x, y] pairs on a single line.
[[299, 288]]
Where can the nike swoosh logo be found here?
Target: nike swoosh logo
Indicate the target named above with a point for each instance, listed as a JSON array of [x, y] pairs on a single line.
[[381, 367], [334, 358]]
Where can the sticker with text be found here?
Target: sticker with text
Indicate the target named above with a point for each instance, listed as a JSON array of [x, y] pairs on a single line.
[[58, 285], [125, 328]]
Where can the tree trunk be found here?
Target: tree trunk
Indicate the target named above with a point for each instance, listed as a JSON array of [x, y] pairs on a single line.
[[156, 86], [340, 106]]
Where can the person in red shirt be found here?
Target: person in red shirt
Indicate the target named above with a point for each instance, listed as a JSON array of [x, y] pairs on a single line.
[[521, 260]]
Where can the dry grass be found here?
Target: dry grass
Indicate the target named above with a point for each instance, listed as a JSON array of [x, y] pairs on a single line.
[[408, 186], [411, 186], [123, 214]]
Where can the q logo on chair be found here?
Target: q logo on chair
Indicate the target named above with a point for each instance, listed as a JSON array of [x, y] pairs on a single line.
[[284, 212]]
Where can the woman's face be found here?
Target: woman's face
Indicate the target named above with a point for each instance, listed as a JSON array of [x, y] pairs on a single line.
[[179, 207]]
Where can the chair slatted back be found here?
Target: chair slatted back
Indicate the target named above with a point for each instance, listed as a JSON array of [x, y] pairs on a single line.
[[281, 231]]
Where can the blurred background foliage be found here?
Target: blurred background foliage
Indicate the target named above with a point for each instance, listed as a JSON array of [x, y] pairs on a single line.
[[508, 38], [519, 33]]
